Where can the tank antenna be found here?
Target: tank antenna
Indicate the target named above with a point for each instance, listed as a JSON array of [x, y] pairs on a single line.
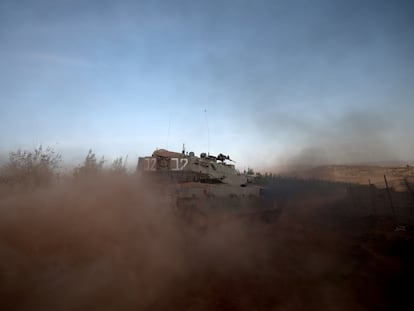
[[169, 128], [208, 132]]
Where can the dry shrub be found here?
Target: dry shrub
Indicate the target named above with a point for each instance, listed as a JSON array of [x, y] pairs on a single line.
[[30, 168], [118, 166], [90, 166]]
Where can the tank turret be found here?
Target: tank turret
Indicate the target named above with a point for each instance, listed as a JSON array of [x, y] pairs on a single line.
[[186, 167]]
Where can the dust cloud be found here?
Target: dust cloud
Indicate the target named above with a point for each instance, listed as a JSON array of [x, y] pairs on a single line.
[[356, 136], [108, 243], [113, 242]]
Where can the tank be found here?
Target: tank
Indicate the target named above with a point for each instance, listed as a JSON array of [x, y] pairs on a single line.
[[206, 189]]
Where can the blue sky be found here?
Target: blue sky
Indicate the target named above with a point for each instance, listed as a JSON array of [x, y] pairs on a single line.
[[274, 82]]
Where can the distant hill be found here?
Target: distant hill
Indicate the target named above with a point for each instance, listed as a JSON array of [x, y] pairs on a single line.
[[357, 173]]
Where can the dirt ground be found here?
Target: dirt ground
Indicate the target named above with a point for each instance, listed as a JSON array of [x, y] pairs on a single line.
[[111, 244]]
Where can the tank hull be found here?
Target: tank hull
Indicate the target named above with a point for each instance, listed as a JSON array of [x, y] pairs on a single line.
[[206, 205]]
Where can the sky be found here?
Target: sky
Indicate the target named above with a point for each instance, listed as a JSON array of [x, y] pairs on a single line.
[[268, 82]]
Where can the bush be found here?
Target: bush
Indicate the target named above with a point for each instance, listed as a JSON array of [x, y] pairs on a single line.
[[119, 165], [90, 167], [31, 168]]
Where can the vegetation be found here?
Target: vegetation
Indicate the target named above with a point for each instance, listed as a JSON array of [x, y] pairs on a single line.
[[41, 166], [90, 166], [119, 165], [31, 168]]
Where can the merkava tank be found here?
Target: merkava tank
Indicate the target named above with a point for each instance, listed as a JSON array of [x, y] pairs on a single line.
[[207, 189]]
